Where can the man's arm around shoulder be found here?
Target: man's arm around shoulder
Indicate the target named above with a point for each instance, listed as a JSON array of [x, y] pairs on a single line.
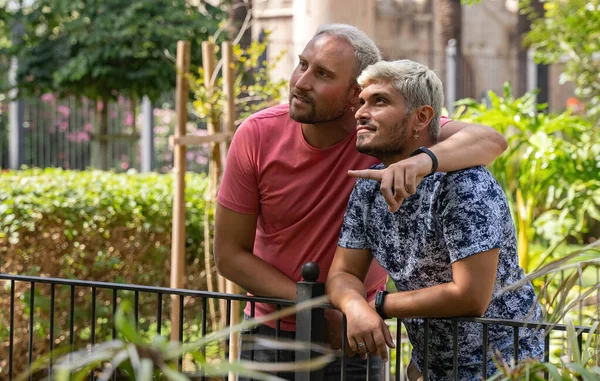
[[461, 145]]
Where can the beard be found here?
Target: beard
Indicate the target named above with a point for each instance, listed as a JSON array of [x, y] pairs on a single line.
[[388, 146], [314, 113]]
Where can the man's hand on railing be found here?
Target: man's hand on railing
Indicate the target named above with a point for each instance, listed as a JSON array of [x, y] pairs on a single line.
[[334, 326], [367, 332]]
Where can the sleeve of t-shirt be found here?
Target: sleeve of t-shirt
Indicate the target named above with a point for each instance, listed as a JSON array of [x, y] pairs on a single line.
[[239, 186], [444, 120], [473, 212], [353, 233]]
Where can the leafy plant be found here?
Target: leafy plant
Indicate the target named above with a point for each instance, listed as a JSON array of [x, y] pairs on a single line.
[[91, 225], [549, 172], [254, 89], [581, 358], [142, 360]]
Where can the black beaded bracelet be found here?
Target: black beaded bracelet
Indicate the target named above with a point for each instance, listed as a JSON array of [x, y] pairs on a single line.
[[434, 160]]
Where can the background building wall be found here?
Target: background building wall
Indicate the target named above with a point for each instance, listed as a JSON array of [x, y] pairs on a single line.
[[415, 29]]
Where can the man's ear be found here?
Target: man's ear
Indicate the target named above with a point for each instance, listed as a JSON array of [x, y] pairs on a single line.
[[354, 93], [422, 117]]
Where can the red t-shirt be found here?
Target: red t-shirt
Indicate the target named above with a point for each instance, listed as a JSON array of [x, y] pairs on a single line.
[[300, 194]]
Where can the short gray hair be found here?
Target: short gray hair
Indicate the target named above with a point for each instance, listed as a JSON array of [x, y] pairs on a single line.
[[418, 84], [367, 53]]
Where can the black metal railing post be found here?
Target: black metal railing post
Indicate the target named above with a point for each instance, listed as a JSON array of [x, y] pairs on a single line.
[[310, 323]]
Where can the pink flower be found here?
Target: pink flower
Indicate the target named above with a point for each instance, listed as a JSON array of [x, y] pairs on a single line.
[[63, 126], [128, 119], [83, 136], [201, 160], [64, 110], [48, 97], [88, 127], [124, 165]]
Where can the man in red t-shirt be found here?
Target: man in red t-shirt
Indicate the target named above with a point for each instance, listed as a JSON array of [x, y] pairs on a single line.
[[286, 185]]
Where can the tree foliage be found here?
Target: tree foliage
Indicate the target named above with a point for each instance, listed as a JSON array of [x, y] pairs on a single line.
[[569, 32], [100, 48]]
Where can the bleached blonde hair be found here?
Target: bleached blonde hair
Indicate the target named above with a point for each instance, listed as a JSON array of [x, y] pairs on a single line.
[[418, 84]]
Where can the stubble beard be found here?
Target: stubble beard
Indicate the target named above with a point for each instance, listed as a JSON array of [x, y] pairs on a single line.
[[308, 117], [393, 147], [315, 116]]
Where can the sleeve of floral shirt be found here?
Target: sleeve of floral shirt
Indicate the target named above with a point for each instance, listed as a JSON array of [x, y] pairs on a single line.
[[473, 212], [353, 234]]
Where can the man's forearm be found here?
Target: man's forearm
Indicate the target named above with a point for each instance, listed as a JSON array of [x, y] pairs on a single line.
[[344, 289], [444, 300], [469, 147], [257, 276]]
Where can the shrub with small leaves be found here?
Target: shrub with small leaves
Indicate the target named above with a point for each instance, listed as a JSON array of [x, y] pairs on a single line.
[[90, 225]]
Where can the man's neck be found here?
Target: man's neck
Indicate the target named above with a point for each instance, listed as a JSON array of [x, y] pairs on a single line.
[[411, 147], [327, 134]]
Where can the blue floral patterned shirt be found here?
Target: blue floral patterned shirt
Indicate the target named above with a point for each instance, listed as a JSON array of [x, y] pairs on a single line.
[[452, 216]]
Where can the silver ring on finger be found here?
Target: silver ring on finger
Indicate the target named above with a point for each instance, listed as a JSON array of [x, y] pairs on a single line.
[[361, 345]]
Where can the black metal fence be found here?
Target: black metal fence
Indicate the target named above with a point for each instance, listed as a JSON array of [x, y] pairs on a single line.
[[40, 315]]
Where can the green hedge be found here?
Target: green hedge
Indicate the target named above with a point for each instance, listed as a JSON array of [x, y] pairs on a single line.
[[96, 225], [91, 225]]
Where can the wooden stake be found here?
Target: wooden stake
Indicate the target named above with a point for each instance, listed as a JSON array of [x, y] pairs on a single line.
[[209, 58], [228, 89], [178, 238], [229, 128]]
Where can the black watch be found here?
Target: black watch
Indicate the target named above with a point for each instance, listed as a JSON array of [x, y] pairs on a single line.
[[379, 299], [427, 151]]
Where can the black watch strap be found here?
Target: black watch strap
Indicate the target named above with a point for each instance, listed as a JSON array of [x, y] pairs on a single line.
[[379, 299], [427, 151]]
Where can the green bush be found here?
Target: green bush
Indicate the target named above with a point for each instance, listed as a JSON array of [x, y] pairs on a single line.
[[549, 172], [90, 225], [97, 225]]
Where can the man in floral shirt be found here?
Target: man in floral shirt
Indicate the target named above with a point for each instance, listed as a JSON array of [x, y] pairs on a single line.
[[450, 248]]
